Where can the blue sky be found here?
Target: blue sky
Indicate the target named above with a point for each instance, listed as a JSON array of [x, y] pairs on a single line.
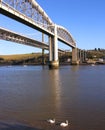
[[85, 20]]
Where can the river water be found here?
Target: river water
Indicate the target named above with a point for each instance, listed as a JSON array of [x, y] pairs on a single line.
[[73, 93]]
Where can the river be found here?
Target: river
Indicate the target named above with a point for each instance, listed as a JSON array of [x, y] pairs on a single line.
[[36, 93]]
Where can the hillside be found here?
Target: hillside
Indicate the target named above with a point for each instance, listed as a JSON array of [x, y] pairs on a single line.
[[34, 58], [96, 53], [37, 58]]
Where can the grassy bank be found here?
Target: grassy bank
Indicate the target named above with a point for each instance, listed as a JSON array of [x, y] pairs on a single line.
[[33, 58], [93, 56], [20, 56], [30, 59]]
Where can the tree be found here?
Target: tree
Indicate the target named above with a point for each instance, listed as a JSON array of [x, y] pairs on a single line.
[[1, 58], [99, 49], [95, 49]]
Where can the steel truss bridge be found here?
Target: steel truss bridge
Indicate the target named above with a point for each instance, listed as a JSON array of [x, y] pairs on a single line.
[[31, 14], [9, 35]]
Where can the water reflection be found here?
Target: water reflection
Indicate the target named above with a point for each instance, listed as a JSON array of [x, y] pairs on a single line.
[[76, 93], [56, 86]]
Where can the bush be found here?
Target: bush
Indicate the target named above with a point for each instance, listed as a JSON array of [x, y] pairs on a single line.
[[1, 58]]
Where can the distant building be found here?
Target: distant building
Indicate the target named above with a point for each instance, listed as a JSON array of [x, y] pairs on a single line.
[[101, 59]]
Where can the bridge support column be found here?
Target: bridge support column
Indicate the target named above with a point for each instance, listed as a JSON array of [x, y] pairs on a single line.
[[74, 57], [85, 56], [79, 55], [53, 51], [82, 56], [43, 58]]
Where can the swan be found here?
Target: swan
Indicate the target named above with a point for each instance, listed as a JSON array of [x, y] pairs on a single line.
[[52, 121], [63, 124]]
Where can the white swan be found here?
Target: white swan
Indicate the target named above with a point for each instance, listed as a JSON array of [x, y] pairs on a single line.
[[63, 124], [52, 121]]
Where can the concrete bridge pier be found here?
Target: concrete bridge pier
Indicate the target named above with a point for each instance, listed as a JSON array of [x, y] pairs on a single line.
[[53, 51], [82, 56], [79, 55], [75, 60], [43, 57]]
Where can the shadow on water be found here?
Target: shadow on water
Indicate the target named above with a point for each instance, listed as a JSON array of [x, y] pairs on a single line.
[[15, 126], [42, 125]]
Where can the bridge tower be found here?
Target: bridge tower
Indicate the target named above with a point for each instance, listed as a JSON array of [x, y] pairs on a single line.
[[53, 50]]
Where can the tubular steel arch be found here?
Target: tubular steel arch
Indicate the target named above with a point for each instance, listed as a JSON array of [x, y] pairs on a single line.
[[31, 9], [65, 36]]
